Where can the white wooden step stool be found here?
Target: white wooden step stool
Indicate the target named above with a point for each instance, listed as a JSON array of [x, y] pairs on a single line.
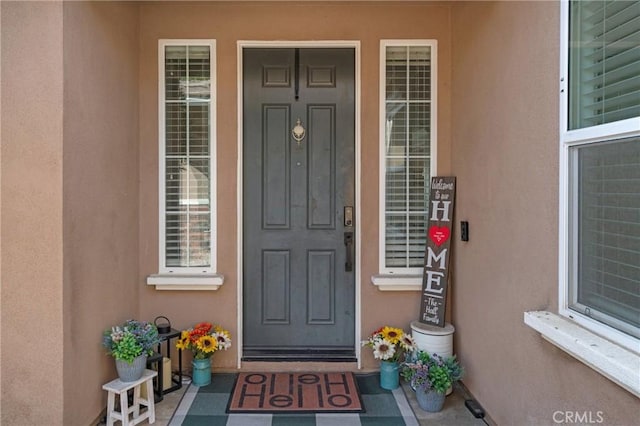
[[120, 388]]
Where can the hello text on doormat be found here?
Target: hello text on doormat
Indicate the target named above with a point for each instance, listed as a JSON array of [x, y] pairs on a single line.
[[295, 392]]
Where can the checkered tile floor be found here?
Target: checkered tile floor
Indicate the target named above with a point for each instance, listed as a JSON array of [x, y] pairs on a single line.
[[206, 406]]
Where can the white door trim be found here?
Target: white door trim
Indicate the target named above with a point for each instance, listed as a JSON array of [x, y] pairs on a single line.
[[355, 44]]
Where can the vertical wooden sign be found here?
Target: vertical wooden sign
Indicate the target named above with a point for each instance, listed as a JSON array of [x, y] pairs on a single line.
[[438, 251]]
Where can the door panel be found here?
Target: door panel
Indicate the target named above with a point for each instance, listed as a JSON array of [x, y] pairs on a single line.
[[299, 299], [321, 197], [276, 167]]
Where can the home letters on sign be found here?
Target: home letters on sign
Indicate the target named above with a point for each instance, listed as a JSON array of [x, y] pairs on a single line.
[[438, 251]]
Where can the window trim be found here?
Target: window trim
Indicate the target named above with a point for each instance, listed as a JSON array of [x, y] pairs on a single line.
[[612, 361], [386, 272], [180, 272], [569, 139]]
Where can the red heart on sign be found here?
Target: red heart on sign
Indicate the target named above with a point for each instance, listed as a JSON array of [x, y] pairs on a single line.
[[439, 234]]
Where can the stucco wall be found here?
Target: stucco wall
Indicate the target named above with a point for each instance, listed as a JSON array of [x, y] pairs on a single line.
[[79, 190], [32, 138], [505, 154], [0, 214], [228, 23], [100, 193]]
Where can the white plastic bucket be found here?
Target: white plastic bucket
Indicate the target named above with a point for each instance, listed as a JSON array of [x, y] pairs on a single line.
[[433, 339]]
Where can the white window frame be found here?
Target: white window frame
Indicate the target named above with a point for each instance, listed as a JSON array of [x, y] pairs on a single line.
[[182, 273], [610, 352], [569, 139], [408, 278]]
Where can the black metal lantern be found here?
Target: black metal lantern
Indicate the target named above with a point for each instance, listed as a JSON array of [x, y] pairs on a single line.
[[164, 327]]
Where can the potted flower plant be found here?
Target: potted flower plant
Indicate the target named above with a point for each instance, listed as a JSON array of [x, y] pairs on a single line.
[[389, 345], [130, 344], [203, 340], [431, 376]]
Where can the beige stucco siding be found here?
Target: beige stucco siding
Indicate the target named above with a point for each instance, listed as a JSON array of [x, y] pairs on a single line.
[[505, 154], [32, 223], [100, 179], [228, 23], [79, 191]]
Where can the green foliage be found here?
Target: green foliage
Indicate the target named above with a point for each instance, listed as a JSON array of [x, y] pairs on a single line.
[[454, 368], [432, 372], [131, 339], [127, 348], [439, 379], [145, 333]]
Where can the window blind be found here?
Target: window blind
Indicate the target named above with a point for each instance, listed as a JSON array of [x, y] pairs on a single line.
[[604, 56], [407, 153], [187, 156], [609, 234]]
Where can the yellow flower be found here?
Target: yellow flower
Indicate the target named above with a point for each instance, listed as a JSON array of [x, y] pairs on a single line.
[[392, 334], [207, 344], [183, 342]]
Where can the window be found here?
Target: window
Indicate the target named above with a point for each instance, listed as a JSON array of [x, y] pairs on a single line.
[[407, 151], [600, 166], [604, 55], [187, 153]]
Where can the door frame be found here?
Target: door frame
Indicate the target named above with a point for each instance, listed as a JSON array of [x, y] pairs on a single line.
[[242, 44]]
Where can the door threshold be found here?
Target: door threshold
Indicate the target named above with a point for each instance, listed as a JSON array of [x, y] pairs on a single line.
[[297, 359], [302, 355], [298, 366]]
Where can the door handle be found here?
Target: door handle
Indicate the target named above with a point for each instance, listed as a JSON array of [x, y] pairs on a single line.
[[348, 243]]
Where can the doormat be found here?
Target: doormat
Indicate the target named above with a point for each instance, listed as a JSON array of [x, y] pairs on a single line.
[[295, 393], [206, 405]]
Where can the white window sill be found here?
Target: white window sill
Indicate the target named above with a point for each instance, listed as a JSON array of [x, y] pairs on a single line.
[[612, 361], [186, 282], [391, 282]]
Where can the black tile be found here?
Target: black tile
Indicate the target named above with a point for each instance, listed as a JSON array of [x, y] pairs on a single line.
[[370, 384], [220, 383], [293, 420], [205, 421]]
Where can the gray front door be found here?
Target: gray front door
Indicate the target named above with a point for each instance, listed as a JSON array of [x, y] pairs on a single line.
[[298, 277]]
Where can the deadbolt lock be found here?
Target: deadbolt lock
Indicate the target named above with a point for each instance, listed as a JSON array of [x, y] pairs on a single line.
[[348, 216]]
